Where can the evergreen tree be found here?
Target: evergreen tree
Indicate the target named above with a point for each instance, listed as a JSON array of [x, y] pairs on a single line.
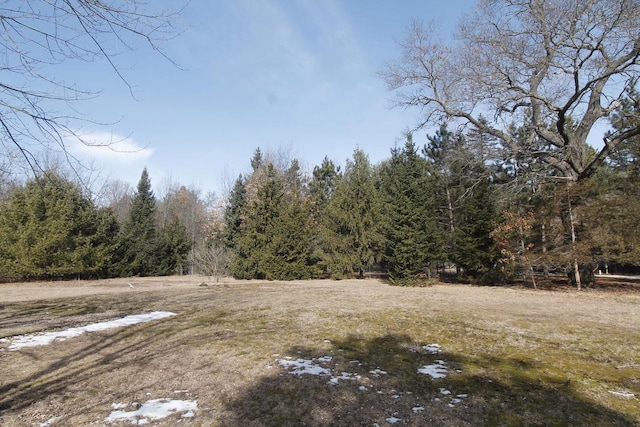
[[476, 252], [139, 243], [321, 190], [448, 159], [106, 242], [352, 232], [234, 213], [173, 246], [413, 240], [273, 241], [49, 229]]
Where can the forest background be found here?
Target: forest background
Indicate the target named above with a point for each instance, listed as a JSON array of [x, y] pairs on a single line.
[[507, 187]]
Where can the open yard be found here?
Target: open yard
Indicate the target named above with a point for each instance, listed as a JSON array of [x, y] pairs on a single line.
[[354, 352]]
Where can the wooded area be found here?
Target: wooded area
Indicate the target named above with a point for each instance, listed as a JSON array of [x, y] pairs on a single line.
[[508, 186]]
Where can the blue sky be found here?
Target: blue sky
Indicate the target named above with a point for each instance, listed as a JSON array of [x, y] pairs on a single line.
[[298, 75]]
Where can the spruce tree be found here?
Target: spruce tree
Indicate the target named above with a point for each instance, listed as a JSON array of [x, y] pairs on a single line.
[[172, 248], [49, 230], [321, 189], [352, 232], [139, 244], [269, 234], [413, 240], [234, 213]]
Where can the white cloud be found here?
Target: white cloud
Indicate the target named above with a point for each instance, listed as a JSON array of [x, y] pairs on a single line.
[[106, 147]]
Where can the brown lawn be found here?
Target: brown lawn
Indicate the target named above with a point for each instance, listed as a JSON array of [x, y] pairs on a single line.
[[514, 356]]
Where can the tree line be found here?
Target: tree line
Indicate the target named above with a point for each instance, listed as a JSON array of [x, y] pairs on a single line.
[[51, 229], [457, 204], [454, 204], [507, 186]]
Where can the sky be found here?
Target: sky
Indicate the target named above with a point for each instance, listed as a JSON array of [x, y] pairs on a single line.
[[295, 76]]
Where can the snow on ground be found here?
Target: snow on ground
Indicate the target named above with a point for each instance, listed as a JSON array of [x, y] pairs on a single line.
[[21, 341], [152, 410], [437, 370], [432, 348], [304, 366], [49, 422]]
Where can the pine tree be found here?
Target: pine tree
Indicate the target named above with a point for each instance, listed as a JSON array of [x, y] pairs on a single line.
[[321, 189], [139, 243], [173, 246], [234, 213], [49, 229], [413, 240], [273, 239], [352, 233]]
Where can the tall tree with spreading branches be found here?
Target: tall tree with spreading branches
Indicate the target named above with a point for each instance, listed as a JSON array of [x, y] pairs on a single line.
[[554, 67]]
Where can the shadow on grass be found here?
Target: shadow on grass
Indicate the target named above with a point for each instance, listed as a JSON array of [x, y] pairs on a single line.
[[61, 376], [376, 382]]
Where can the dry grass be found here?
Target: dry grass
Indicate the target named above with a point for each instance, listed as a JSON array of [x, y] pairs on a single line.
[[522, 357]]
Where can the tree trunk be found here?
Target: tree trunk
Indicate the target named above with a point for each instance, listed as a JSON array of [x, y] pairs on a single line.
[[526, 258], [574, 275], [545, 265]]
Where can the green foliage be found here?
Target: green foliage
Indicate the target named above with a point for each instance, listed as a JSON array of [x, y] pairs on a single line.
[[173, 249], [234, 213], [138, 243], [144, 249], [465, 196], [476, 251], [49, 229], [413, 240], [351, 228], [272, 239]]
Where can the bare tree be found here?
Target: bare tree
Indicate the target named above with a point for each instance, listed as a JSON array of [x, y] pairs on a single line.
[[36, 37], [210, 260], [552, 67], [117, 195]]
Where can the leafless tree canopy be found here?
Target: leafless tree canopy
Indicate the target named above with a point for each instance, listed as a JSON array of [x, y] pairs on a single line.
[[37, 36], [554, 67]]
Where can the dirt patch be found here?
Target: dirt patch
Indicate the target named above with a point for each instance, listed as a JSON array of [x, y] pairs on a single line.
[[518, 356]]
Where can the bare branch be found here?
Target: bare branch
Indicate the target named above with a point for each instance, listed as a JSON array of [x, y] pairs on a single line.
[[552, 67], [38, 36]]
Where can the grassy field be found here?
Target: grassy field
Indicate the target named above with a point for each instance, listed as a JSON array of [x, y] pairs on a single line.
[[509, 356]]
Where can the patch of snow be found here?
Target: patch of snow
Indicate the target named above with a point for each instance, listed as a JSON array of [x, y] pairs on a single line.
[[393, 420], [417, 409], [49, 422], [362, 388], [324, 359], [462, 396], [343, 376], [624, 394], [377, 372], [437, 370], [303, 366], [432, 348], [395, 396], [118, 405], [21, 341], [154, 410], [444, 391]]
